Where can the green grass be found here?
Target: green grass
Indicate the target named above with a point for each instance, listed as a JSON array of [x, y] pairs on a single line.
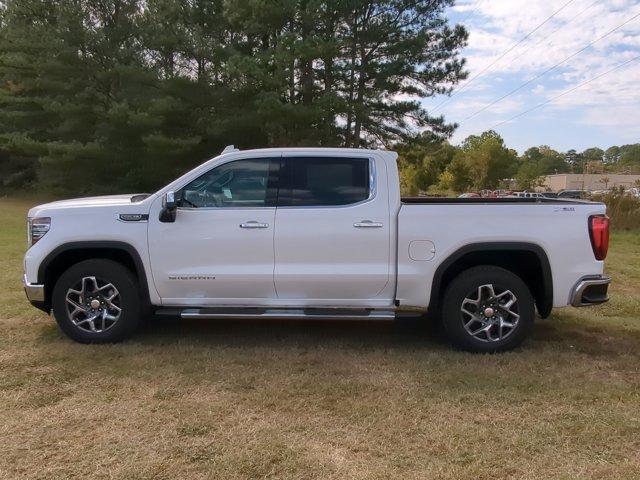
[[319, 400]]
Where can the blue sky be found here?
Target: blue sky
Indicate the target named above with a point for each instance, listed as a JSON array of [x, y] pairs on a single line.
[[601, 113]]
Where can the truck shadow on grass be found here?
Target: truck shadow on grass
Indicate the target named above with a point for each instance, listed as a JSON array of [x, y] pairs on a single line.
[[411, 333]]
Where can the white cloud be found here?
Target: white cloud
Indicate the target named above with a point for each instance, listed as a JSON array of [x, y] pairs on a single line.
[[465, 107], [621, 119], [538, 89], [505, 22], [611, 102]]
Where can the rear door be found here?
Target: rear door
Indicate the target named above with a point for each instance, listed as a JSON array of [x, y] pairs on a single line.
[[332, 244]]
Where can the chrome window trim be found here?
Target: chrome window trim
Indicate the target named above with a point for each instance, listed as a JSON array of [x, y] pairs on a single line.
[[197, 209], [373, 191]]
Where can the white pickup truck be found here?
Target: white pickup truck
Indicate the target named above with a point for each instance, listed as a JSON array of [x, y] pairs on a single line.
[[312, 233]]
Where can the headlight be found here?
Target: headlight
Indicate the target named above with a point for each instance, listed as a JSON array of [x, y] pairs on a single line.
[[37, 228]]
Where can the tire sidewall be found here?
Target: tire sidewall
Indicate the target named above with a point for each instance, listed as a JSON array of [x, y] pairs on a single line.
[[467, 282], [111, 272]]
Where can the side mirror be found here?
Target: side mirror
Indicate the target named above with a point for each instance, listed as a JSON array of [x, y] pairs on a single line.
[[169, 208]]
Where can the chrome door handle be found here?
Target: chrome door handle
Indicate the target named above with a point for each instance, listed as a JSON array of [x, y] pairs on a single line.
[[367, 224], [254, 224]]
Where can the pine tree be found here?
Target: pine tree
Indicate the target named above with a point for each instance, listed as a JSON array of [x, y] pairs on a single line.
[[399, 51], [114, 95]]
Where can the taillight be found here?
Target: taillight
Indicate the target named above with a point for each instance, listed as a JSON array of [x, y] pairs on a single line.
[[599, 234]]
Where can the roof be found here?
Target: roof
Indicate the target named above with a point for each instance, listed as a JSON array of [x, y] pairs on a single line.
[[321, 150]]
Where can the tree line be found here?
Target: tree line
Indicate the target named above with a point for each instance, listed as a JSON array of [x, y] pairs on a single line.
[[429, 165], [114, 95], [103, 96]]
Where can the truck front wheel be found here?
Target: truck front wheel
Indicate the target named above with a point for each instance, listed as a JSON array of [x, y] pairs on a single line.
[[97, 301], [487, 309]]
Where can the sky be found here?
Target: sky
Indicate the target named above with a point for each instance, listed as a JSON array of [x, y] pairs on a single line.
[[602, 112]]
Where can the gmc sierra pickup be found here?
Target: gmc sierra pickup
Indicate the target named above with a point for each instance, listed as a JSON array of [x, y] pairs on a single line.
[[313, 233]]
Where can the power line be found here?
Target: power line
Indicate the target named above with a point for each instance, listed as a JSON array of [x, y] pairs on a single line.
[[553, 32], [447, 100], [566, 92], [549, 69]]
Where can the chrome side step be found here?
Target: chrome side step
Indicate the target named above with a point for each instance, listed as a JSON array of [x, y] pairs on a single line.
[[284, 313]]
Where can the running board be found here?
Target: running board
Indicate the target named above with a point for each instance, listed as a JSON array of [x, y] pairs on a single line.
[[284, 313]]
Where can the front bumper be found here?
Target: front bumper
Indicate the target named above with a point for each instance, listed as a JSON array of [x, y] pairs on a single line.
[[590, 290], [35, 292]]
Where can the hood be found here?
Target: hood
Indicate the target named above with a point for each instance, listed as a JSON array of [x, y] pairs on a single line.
[[102, 201]]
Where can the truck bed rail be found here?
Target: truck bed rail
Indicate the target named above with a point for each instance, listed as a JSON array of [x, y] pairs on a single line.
[[483, 200]]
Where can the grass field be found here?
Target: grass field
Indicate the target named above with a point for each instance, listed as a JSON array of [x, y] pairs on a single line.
[[319, 400]]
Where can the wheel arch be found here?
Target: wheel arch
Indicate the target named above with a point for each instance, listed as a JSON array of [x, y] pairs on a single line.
[[527, 260], [68, 254]]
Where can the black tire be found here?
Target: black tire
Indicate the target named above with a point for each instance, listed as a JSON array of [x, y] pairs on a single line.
[[128, 301], [465, 288]]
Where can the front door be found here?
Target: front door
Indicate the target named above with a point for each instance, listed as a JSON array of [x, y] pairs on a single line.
[[219, 250], [332, 231]]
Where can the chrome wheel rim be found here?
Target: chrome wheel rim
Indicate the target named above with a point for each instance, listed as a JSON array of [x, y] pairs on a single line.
[[490, 313], [93, 305]]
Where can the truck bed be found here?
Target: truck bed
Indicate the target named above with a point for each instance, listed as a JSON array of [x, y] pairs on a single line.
[[441, 227]]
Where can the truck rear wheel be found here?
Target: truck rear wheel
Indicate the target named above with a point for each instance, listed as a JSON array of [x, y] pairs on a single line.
[[487, 309], [97, 301]]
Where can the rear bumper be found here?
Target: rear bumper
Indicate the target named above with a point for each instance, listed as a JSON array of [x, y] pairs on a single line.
[[590, 290]]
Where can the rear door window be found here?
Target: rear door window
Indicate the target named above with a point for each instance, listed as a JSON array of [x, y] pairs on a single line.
[[324, 181]]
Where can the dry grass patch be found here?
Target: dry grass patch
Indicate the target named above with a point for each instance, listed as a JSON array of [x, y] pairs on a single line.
[[242, 400]]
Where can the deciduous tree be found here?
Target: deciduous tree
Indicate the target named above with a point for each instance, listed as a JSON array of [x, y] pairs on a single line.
[[488, 159]]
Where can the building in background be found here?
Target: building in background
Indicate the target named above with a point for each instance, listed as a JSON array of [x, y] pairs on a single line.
[[588, 181]]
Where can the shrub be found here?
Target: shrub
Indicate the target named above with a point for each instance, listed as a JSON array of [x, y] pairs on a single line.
[[622, 208]]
